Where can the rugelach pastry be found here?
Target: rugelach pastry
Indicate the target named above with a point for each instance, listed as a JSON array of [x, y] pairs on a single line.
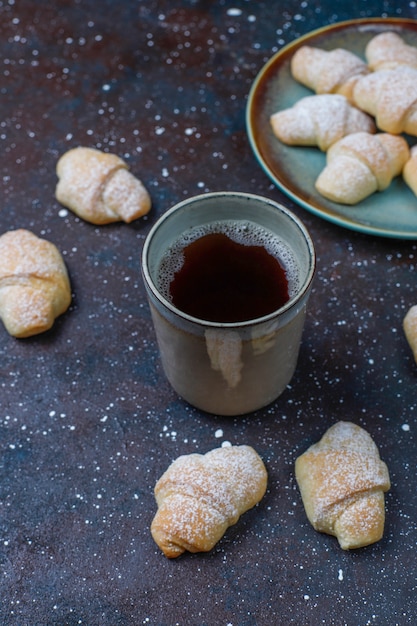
[[200, 496], [34, 284], [99, 188], [390, 96], [361, 164], [342, 481], [323, 71], [319, 120], [388, 51], [410, 170]]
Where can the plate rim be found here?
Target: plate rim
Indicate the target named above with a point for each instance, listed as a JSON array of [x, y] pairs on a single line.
[[334, 218]]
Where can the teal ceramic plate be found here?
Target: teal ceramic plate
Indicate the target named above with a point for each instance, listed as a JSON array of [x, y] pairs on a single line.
[[391, 213]]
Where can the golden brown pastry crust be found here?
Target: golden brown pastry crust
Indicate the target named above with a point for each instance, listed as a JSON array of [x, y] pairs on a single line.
[[34, 283], [410, 170], [98, 187], [200, 496], [410, 329], [342, 481], [319, 120], [361, 164]]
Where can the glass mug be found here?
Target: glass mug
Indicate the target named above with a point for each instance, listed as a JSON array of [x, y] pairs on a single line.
[[228, 367]]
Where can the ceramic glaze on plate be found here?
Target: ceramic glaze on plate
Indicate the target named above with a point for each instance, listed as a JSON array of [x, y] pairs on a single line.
[[391, 213]]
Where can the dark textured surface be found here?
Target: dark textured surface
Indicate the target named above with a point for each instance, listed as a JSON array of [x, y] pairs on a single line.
[[87, 420]]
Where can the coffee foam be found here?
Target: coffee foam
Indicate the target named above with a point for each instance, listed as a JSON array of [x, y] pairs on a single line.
[[243, 232]]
